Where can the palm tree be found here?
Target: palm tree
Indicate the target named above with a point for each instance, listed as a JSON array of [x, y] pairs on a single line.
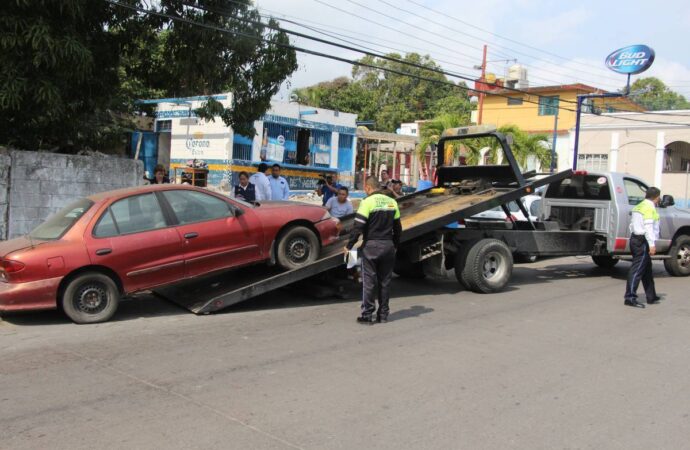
[[431, 132], [527, 145]]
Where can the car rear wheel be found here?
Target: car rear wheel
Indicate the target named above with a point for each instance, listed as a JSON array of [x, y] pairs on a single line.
[[487, 266], [678, 263], [297, 247], [90, 298]]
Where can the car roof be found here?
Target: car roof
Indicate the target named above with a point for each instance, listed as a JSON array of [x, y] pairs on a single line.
[[126, 192]]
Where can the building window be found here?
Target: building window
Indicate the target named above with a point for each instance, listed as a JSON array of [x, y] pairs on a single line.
[[677, 157], [515, 101], [593, 162], [548, 106], [163, 126]]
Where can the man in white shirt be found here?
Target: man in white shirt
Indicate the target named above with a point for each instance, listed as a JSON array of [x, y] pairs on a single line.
[[340, 206], [280, 190], [644, 231], [261, 183]]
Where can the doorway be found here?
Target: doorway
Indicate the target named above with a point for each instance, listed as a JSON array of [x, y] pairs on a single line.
[[303, 150]]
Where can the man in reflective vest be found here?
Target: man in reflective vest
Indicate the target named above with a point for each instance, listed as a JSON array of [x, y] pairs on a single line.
[[378, 219], [644, 231]]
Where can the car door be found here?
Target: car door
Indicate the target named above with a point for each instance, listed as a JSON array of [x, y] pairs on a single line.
[[133, 238], [217, 233]]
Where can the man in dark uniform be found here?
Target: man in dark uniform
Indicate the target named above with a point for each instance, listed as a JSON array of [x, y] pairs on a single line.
[[644, 231], [378, 220]]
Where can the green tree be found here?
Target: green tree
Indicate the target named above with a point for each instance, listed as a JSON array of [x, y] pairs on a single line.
[[71, 70], [431, 131], [390, 98], [657, 95]]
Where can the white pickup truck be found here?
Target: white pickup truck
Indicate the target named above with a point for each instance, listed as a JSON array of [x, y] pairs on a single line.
[[602, 202]]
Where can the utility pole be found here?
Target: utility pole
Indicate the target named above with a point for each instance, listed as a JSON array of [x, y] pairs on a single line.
[[482, 94], [553, 142]]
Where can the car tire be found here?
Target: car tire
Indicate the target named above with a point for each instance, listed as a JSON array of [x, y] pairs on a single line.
[[91, 297], [678, 265], [488, 266], [605, 261], [297, 247]]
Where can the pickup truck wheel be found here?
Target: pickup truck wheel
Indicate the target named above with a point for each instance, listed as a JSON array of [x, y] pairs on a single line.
[[678, 264], [297, 247], [604, 261], [90, 298], [488, 266]]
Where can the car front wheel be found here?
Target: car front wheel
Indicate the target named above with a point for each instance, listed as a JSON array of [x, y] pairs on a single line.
[[90, 298], [678, 263], [297, 247]]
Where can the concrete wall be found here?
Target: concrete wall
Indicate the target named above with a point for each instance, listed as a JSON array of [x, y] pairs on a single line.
[[4, 193], [40, 184]]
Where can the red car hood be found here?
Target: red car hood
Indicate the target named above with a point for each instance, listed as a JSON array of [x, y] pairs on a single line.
[[7, 247]]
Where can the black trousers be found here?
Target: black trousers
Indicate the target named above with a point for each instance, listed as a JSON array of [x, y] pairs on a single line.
[[378, 259], [640, 270]]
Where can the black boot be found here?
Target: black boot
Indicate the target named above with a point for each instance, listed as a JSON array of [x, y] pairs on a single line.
[[634, 303], [365, 320]]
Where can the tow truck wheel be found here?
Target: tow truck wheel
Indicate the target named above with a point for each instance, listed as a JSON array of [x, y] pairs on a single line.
[[406, 269], [297, 247], [90, 298], [604, 261], [678, 263], [488, 266], [460, 261]]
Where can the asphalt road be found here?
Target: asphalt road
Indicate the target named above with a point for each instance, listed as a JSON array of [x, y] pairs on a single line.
[[555, 361]]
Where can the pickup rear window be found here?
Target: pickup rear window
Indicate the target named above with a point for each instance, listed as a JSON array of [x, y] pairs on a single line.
[[587, 187]]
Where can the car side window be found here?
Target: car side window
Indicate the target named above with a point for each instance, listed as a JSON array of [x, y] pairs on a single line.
[[131, 215], [635, 191], [106, 225], [192, 206]]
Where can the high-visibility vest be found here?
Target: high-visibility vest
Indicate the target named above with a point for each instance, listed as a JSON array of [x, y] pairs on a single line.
[[647, 210]]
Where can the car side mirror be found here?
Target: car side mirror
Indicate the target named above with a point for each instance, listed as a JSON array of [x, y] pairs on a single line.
[[237, 212], [667, 200]]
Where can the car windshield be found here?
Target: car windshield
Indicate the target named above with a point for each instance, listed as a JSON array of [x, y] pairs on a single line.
[[57, 225]]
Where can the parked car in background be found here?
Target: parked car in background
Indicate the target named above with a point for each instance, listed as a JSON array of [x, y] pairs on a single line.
[[100, 248], [532, 204]]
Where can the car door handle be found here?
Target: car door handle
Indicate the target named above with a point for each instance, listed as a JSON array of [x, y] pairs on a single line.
[[191, 235], [104, 251]]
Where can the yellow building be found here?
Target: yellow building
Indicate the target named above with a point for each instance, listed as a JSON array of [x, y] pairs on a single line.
[[534, 110]]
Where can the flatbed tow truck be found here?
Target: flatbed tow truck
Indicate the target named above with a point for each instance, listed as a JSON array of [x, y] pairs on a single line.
[[482, 263]]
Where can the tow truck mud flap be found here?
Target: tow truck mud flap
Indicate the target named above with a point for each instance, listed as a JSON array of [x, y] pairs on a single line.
[[213, 293]]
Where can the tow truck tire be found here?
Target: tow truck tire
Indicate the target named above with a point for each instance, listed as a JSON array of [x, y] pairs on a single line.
[[91, 297], [406, 269], [488, 266], [460, 260], [297, 247], [604, 261], [678, 265]]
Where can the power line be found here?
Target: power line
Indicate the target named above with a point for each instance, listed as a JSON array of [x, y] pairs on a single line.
[[333, 57], [427, 31], [446, 15]]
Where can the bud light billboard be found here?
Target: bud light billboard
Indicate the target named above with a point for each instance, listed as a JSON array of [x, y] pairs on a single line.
[[630, 60]]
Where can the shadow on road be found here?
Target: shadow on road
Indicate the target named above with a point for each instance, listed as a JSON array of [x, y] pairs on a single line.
[[302, 295], [412, 311]]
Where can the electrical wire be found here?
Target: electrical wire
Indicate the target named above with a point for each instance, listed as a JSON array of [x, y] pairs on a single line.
[[337, 58]]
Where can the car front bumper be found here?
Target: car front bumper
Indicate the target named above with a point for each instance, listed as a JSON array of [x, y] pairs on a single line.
[[41, 294]]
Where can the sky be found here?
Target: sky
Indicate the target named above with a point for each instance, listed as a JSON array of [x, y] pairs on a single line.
[[558, 42]]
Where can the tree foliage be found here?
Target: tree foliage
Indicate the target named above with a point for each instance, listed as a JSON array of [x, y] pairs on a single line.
[[72, 70], [524, 145], [402, 93], [657, 96]]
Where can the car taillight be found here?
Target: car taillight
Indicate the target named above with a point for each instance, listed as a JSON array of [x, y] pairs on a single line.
[[511, 218], [580, 172], [9, 266]]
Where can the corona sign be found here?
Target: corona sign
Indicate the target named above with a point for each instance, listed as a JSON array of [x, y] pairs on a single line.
[[630, 60]]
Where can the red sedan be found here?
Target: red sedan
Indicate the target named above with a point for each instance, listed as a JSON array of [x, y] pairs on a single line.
[[115, 243]]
